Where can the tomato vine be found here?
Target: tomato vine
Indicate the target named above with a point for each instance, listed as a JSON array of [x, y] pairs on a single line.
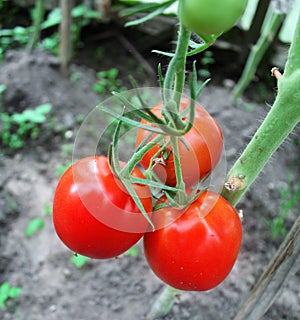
[[180, 217]]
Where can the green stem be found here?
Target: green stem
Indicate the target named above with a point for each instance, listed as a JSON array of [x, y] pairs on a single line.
[[279, 123], [258, 51], [38, 17], [138, 155], [179, 179], [164, 304], [175, 76]]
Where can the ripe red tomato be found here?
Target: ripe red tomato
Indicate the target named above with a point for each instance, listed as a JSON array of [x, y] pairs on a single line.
[[198, 250], [207, 17], [199, 154], [93, 213]]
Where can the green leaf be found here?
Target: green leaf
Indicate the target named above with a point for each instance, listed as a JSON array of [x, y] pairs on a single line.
[[163, 53], [33, 226], [129, 121], [48, 209], [148, 17], [132, 252], [79, 260], [2, 88], [44, 108], [14, 292], [6, 292], [207, 41], [153, 184], [142, 7], [53, 19]]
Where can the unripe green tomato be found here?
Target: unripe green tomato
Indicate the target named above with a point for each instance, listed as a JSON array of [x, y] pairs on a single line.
[[207, 17]]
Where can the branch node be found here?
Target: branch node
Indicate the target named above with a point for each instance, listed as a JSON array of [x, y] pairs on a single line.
[[235, 183], [276, 73]]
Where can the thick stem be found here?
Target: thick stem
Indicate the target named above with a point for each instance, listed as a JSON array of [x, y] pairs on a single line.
[[279, 123]]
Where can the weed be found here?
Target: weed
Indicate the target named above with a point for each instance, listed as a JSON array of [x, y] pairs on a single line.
[[11, 203], [66, 152], [12, 38], [48, 209], [132, 252], [79, 260], [2, 89], [8, 292], [19, 126], [38, 223], [290, 197], [99, 53], [108, 81], [20, 35], [75, 76], [34, 225]]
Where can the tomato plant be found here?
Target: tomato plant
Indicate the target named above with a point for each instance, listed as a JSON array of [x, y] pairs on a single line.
[[198, 250], [207, 17], [199, 149], [93, 213]]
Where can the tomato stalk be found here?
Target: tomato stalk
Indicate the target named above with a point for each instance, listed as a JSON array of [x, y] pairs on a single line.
[[175, 76], [283, 116], [162, 306], [174, 82], [171, 125]]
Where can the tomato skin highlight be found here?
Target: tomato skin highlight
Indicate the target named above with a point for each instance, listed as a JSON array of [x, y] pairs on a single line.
[[199, 249], [87, 188], [207, 17], [205, 144]]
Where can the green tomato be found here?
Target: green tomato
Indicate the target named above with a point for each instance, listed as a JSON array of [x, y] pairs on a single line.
[[207, 17]]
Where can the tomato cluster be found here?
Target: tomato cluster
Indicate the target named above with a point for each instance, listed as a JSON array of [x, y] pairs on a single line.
[[192, 247]]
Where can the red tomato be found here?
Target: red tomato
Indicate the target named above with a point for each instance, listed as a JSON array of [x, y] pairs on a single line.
[[199, 154], [93, 214], [198, 250]]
